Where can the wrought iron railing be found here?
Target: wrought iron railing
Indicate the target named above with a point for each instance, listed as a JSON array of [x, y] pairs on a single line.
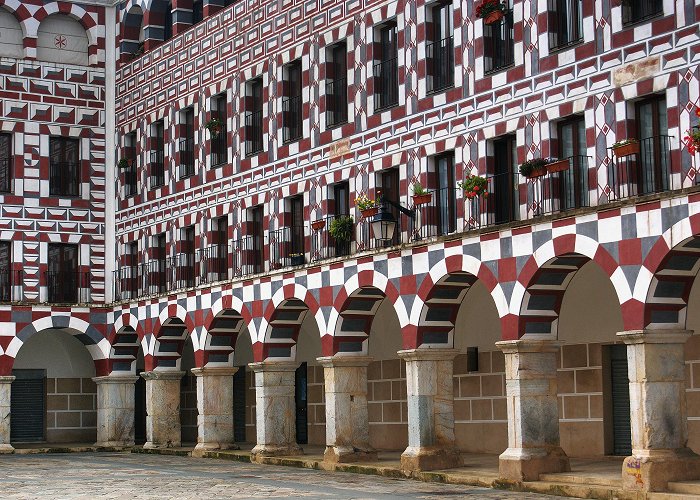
[[438, 216], [645, 172], [324, 246], [336, 102], [367, 241], [68, 287], [128, 282], [440, 60], [156, 277], [181, 271], [186, 157], [565, 23], [213, 261], [157, 169], [247, 256], [634, 11], [11, 284], [504, 197], [5, 175], [291, 118], [219, 147], [560, 190], [130, 179], [253, 133], [386, 84], [498, 44], [64, 178], [287, 247]]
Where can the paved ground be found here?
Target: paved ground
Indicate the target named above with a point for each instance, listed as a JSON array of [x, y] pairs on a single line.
[[136, 476]]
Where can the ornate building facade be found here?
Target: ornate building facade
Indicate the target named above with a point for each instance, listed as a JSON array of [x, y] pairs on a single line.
[[183, 258]]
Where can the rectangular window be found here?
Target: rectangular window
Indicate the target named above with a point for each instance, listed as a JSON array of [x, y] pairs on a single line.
[[653, 162], [440, 49], [62, 278], [5, 163], [254, 117], [186, 143], [257, 233], [389, 190], [445, 194], [130, 179], [565, 23], [341, 209], [5, 271], [386, 83], [215, 258], [64, 168], [336, 85], [219, 136], [291, 102], [634, 11], [572, 184], [184, 266], [129, 275], [297, 227], [498, 44], [506, 180], [157, 165], [157, 264]]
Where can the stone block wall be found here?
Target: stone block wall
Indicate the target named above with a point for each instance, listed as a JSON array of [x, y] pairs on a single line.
[[692, 377], [71, 410], [386, 404], [480, 404], [188, 408], [250, 431], [316, 405]]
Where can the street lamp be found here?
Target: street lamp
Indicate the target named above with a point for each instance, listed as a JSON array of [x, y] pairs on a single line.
[[384, 223]]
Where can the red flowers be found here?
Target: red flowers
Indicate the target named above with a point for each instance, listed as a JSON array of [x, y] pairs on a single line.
[[488, 6], [474, 185], [692, 136]]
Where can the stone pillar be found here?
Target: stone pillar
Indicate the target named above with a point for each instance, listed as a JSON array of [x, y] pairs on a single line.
[[115, 410], [163, 408], [533, 412], [658, 416], [431, 436], [275, 410], [215, 408], [347, 420], [5, 392]]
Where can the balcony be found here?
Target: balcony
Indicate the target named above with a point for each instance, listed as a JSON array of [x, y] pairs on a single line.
[[181, 271], [635, 11], [64, 178], [186, 158], [324, 246], [11, 285], [213, 262], [564, 189], [441, 67], [336, 102], [247, 256], [253, 133], [386, 84], [6, 175], [157, 169], [291, 119], [155, 281], [219, 147], [128, 282], [438, 217], [645, 172], [68, 287], [498, 44], [287, 247], [130, 179]]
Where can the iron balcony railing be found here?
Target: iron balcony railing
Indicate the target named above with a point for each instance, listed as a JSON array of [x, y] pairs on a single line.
[[336, 102], [367, 241], [642, 173], [130, 179], [64, 178], [253, 133], [565, 23], [11, 284], [181, 271], [213, 261], [219, 147], [498, 44], [438, 217], [440, 60], [247, 256], [324, 246], [634, 11], [186, 157], [386, 84], [155, 281], [5, 175], [129, 282], [562, 189], [291, 118], [287, 247], [157, 168], [68, 287]]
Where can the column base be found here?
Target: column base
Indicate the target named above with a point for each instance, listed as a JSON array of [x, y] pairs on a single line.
[[652, 470], [425, 458], [114, 444], [348, 454], [527, 464], [149, 445], [274, 450], [6, 449]]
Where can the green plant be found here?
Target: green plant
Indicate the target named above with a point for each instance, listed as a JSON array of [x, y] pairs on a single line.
[[624, 142], [214, 126], [418, 189], [123, 163], [528, 167], [474, 185], [488, 6], [342, 228], [364, 203]]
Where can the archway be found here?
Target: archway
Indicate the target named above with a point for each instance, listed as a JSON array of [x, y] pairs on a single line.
[[132, 36], [53, 396], [61, 39], [12, 36]]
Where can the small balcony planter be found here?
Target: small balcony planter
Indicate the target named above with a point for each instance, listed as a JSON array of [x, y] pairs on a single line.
[[537, 167], [214, 126], [369, 212], [491, 11], [474, 186], [558, 166], [124, 163], [367, 206], [420, 195], [692, 136], [342, 228], [626, 147], [296, 259], [319, 224]]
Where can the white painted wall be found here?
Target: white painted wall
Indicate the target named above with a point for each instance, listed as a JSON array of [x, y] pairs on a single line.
[[309, 341], [57, 352], [243, 351], [477, 323], [385, 335], [62, 39], [10, 36]]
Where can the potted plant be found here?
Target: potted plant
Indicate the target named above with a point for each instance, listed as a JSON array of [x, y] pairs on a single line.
[[123, 163], [318, 224], [420, 195], [214, 126], [625, 147], [342, 227], [474, 186], [296, 259], [367, 206], [555, 165], [536, 167], [692, 136], [491, 11]]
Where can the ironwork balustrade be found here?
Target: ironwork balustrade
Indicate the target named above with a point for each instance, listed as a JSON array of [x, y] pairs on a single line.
[[253, 132], [64, 178], [291, 118], [441, 67], [157, 169], [213, 261], [386, 85], [68, 287], [324, 246], [11, 284], [646, 172], [186, 157]]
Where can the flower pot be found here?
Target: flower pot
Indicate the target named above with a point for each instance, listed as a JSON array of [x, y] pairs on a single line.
[[631, 148], [493, 17], [319, 224], [537, 172], [422, 199], [369, 212], [558, 166]]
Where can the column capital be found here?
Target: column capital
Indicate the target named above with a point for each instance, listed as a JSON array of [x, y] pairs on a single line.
[[345, 361], [163, 375], [7, 379], [116, 379], [529, 345], [274, 366], [646, 336], [214, 371], [436, 354]]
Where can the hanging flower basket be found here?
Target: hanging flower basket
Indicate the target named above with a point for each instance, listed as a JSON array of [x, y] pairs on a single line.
[[214, 126], [493, 17], [420, 195], [124, 163], [537, 167], [367, 206], [319, 224], [558, 166], [626, 147], [491, 11], [474, 186], [369, 212]]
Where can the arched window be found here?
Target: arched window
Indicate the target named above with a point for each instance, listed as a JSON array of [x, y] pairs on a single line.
[[11, 44], [62, 39], [132, 32]]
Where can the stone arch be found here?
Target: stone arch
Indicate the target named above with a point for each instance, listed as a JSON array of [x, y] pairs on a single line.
[[156, 15], [218, 339], [63, 39], [132, 32], [13, 33], [282, 330], [169, 340]]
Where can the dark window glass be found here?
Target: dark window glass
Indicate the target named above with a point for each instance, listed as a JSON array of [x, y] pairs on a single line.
[[5, 163], [5, 272], [219, 142], [386, 84], [291, 103], [446, 193], [572, 184], [63, 279], [440, 49], [506, 179], [653, 162], [565, 22], [297, 224], [253, 117], [157, 165], [168, 22], [336, 85], [498, 44], [634, 11], [187, 143], [64, 168], [197, 11], [258, 234]]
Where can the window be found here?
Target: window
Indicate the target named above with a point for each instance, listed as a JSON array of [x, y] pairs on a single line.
[[445, 194], [168, 21], [64, 168], [572, 184], [653, 162], [219, 140], [336, 85], [197, 11], [296, 225], [215, 258], [389, 190], [5, 272], [253, 117], [341, 208], [634, 11], [565, 23], [386, 84], [62, 277], [506, 180], [129, 282], [257, 233], [131, 157], [184, 261], [291, 102], [186, 143], [440, 49], [157, 154], [157, 264], [498, 44], [5, 163]]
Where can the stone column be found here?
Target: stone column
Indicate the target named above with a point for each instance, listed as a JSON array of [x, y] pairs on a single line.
[[5, 393], [431, 436], [533, 412], [215, 408], [658, 416], [347, 420], [115, 410], [275, 410], [163, 408]]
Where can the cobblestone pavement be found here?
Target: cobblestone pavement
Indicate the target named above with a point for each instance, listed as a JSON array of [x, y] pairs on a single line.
[[136, 476]]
